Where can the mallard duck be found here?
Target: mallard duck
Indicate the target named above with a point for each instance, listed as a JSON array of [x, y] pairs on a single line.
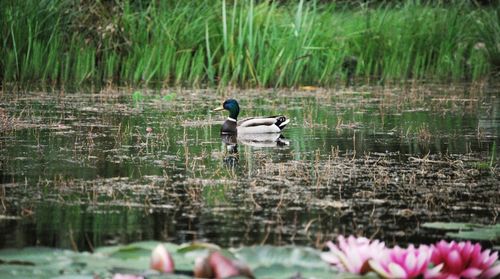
[[252, 125]]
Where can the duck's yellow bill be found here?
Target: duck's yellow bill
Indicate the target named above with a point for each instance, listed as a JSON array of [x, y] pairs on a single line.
[[218, 109]]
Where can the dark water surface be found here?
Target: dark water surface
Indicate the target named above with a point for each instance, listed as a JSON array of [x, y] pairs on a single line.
[[80, 170]]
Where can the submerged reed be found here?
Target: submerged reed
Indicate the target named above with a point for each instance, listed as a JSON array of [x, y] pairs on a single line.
[[244, 43]]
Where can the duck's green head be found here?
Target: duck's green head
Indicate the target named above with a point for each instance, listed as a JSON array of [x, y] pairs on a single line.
[[232, 106]]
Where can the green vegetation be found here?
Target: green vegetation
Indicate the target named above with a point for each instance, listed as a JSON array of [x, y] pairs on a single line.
[[467, 231], [243, 43], [134, 258]]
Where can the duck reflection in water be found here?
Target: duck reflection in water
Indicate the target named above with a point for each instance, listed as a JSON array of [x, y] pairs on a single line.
[[231, 155]]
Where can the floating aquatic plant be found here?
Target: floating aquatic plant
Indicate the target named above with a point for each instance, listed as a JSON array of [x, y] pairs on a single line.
[[161, 260], [353, 253], [443, 260], [404, 263], [464, 260]]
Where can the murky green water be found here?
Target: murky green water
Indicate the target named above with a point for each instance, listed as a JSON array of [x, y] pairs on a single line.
[[80, 170]]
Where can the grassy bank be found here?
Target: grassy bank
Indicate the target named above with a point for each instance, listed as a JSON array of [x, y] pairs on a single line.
[[240, 43]]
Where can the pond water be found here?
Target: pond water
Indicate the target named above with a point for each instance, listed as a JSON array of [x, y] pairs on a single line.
[[86, 169]]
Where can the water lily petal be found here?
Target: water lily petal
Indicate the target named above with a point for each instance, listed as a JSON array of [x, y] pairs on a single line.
[[396, 271], [423, 258], [222, 266], [411, 264], [454, 262], [397, 254], [356, 260], [440, 250], [492, 272], [331, 245], [471, 272], [202, 268], [488, 259], [378, 268], [433, 272], [346, 263], [476, 259], [465, 249], [343, 243], [329, 258]]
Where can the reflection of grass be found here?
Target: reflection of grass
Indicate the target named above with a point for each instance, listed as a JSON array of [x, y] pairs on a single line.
[[214, 195], [422, 133], [481, 165], [243, 43], [6, 121], [493, 154], [490, 164]]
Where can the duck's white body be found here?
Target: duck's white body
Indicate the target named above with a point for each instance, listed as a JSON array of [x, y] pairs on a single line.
[[262, 125]]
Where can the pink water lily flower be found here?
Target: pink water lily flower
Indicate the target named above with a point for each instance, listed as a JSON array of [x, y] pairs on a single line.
[[216, 265], [464, 260], [352, 254], [161, 260], [404, 263]]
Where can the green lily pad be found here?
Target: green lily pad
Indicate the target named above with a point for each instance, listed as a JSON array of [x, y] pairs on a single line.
[[468, 231], [287, 255], [197, 246], [264, 261], [450, 226], [491, 233], [35, 262], [284, 262], [133, 250]]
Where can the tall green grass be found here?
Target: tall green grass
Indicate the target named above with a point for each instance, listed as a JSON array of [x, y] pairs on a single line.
[[243, 43]]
